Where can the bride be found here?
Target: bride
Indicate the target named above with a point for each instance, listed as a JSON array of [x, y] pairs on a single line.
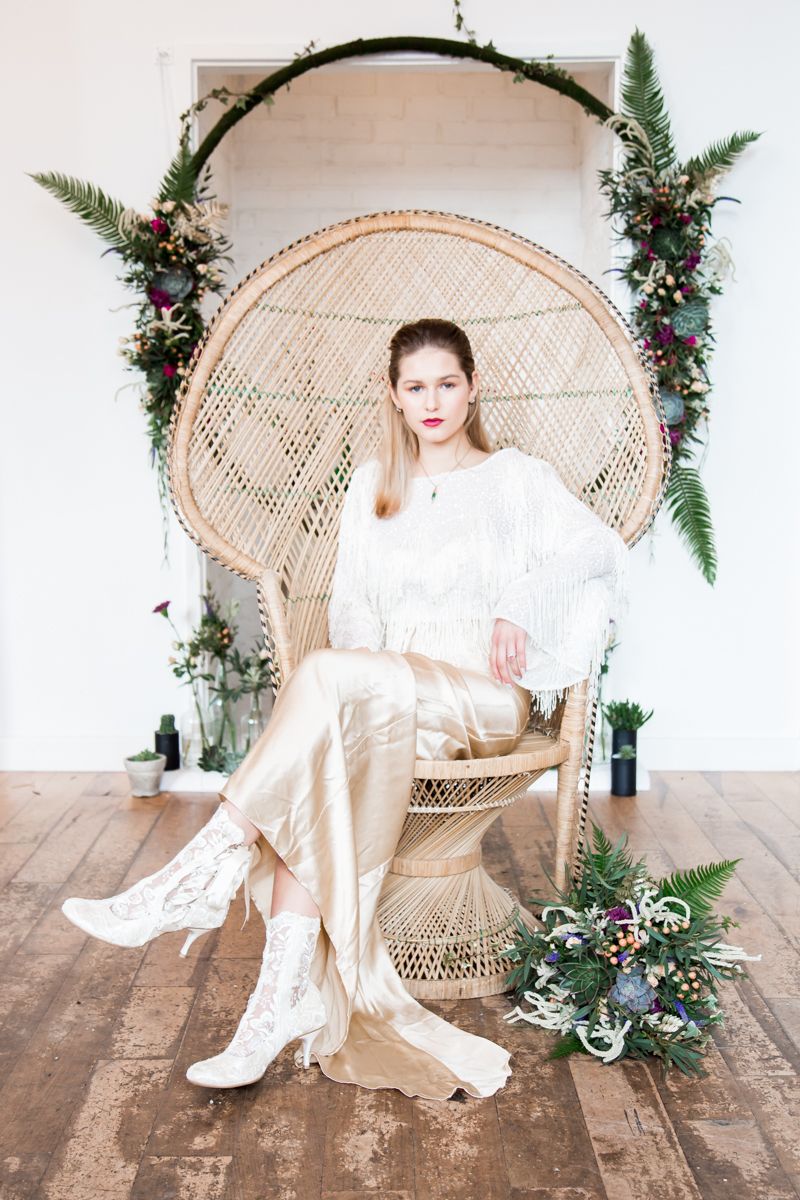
[[468, 582]]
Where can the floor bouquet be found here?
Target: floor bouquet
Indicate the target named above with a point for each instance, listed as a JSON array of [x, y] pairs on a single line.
[[625, 965]]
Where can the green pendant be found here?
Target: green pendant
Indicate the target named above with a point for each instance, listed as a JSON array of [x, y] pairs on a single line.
[[433, 494]]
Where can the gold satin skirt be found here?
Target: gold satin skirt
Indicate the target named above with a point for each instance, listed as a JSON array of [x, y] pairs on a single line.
[[328, 784]]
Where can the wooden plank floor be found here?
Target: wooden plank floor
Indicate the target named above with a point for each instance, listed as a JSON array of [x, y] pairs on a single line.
[[95, 1039]]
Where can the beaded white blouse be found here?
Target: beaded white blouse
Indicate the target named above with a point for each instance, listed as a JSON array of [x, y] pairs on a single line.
[[505, 538]]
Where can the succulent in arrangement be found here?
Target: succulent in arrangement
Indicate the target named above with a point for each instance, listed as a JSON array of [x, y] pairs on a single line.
[[143, 756], [632, 992], [625, 714], [625, 752]]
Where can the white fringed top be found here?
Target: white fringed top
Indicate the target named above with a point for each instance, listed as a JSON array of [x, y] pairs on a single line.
[[505, 538]]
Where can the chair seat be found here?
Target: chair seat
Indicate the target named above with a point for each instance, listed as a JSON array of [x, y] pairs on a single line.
[[534, 752]]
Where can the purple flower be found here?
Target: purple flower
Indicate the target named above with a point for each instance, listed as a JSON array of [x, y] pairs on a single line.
[[162, 607], [159, 225], [665, 334], [691, 262], [169, 370], [684, 217], [552, 956], [620, 913], [160, 298], [682, 1013], [623, 956], [675, 436], [657, 1006], [691, 340]]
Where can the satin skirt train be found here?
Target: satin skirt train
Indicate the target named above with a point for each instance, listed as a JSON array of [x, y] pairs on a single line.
[[328, 784]]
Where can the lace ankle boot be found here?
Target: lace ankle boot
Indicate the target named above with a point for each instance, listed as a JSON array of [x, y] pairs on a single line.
[[193, 891], [286, 1004]]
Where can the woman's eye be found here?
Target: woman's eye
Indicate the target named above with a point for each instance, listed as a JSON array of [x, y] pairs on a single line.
[[414, 388], [448, 385]]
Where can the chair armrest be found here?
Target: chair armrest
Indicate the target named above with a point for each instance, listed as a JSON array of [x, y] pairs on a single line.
[[276, 627]]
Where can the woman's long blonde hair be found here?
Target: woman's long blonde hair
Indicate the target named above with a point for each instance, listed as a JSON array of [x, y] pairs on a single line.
[[398, 451]]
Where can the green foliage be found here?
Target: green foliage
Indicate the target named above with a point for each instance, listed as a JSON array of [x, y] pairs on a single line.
[[700, 886], [720, 156], [180, 180], [643, 99], [90, 203], [144, 756], [626, 752], [566, 1046], [167, 724], [625, 714], [688, 504], [622, 961]]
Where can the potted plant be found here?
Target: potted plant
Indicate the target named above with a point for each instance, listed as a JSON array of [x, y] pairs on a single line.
[[625, 718], [623, 771], [168, 742], [144, 771]]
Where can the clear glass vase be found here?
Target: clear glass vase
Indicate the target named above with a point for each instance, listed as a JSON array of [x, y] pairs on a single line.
[[251, 723], [220, 724]]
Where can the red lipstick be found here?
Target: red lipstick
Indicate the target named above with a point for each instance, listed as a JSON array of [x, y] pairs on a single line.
[[433, 421]]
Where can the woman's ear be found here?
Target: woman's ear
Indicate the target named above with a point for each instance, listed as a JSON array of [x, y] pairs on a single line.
[[475, 383]]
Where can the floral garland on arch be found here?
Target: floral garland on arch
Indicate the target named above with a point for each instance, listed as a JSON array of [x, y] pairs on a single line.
[[663, 209], [173, 254], [625, 965]]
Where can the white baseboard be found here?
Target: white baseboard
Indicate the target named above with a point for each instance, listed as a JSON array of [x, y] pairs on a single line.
[[86, 752]]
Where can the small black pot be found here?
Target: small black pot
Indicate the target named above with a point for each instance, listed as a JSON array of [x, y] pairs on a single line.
[[622, 737], [169, 744], [623, 776]]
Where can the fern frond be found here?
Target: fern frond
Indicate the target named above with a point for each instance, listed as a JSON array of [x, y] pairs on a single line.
[[643, 100], [568, 1044], [90, 203], [688, 504], [700, 886], [720, 155], [180, 181], [602, 847]]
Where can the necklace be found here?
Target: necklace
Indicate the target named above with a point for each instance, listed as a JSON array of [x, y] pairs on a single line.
[[434, 493]]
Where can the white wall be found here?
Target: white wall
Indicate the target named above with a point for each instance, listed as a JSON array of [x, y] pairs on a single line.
[[84, 673]]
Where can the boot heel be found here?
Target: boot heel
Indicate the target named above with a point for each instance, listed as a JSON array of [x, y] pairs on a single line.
[[307, 1039], [191, 937]]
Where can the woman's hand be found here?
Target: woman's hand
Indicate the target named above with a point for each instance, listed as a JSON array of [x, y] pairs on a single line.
[[508, 650]]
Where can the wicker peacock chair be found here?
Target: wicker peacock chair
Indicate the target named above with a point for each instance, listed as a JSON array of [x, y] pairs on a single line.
[[280, 403]]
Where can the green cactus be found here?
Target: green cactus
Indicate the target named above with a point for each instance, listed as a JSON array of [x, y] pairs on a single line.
[[167, 723]]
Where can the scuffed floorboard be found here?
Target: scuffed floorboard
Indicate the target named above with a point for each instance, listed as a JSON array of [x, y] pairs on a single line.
[[95, 1040]]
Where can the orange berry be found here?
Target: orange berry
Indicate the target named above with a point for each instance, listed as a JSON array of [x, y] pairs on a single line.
[[614, 958]]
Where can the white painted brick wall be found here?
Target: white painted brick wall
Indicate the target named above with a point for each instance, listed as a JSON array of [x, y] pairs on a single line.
[[346, 141], [350, 140]]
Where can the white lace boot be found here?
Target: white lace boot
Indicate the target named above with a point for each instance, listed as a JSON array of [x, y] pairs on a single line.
[[286, 1004], [193, 891]]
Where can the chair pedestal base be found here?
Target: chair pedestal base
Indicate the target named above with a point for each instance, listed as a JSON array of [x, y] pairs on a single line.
[[446, 935]]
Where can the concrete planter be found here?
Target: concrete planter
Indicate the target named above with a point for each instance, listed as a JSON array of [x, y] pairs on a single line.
[[145, 777]]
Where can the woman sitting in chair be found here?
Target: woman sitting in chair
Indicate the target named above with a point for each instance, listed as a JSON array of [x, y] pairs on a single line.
[[467, 583]]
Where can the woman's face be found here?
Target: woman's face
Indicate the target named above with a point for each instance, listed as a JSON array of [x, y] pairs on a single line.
[[432, 388]]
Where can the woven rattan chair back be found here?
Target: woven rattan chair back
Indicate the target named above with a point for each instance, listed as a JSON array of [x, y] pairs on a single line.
[[283, 393]]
